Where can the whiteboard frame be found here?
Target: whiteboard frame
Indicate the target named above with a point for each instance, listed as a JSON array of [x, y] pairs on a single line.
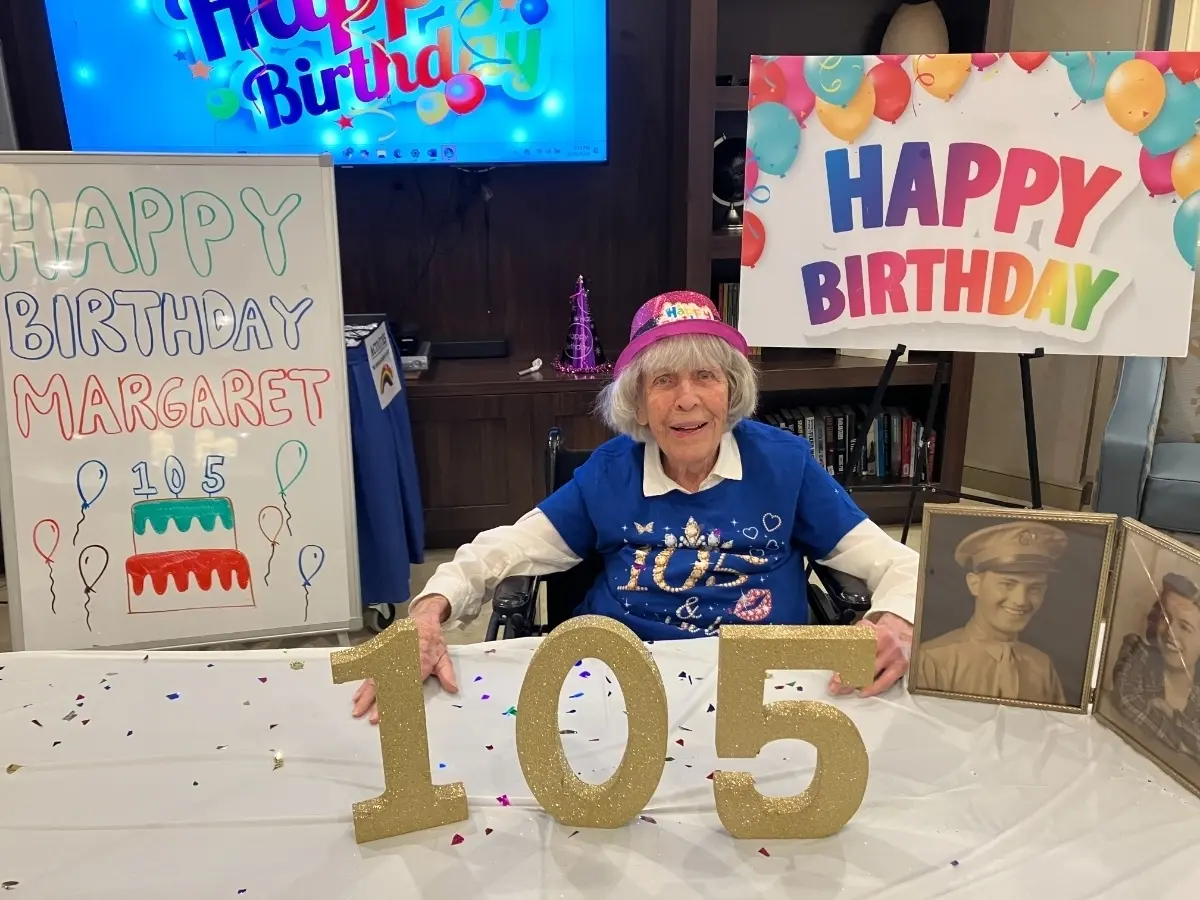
[[8, 511]]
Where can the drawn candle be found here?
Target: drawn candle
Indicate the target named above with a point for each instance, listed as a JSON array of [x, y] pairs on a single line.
[[90, 482], [290, 460], [270, 523], [93, 563], [175, 475], [310, 560], [46, 532]]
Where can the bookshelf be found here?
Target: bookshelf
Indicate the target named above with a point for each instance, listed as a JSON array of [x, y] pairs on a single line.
[[721, 36]]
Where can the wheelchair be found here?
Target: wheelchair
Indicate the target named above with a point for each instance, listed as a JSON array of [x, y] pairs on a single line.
[[834, 598]]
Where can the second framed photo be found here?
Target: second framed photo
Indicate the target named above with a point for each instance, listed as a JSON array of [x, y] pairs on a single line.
[[1149, 689], [1009, 605]]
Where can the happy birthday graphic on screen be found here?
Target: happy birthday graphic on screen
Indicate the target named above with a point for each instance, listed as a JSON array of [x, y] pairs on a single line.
[[451, 81]]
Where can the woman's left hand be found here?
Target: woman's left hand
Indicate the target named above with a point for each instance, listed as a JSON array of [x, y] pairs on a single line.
[[893, 644]]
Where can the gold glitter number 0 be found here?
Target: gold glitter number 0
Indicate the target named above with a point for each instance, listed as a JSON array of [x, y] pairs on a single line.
[[745, 725], [568, 798], [410, 800]]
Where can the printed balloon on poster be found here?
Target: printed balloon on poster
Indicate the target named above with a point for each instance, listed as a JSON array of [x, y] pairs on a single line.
[[1135, 94], [432, 107], [894, 58], [834, 79], [942, 74], [1160, 59], [754, 240], [1070, 58], [533, 11], [1175, 123], [773, 136], [893, 90], [1185, 65], [1187, 228], [1185, 169], [1156, 172], [768, 83], [464, 93], [982, 61], [850, 121], [1090, 77], [1030, 62], [223, 103], [751, 174]]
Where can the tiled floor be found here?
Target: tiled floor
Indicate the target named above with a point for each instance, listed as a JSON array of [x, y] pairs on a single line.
[[469, 634]]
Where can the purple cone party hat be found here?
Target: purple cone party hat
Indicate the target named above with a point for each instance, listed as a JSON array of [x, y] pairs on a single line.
[[583, 355]]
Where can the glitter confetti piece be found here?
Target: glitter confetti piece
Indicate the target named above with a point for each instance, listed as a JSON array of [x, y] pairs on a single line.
[[489, 747], [679, 741], [79, 696], [572, 834], [609, 680], [69, 716], [683, 674], [241, 891], [567, 731], [486, 697], [954, 862], [210, 665], [569, 711], [780, 687], [79, 705], [479, 678], [593, 740], [129, 733], [9, 885], [262, 678], [222, 746], [195, 784], [296, 665], [487, 831], [36, 722], [456, 705], [173, 696], [503, 800], [684, 728], [575, 696], [709, 776], [578, 663], [669, 759], [245, 703], [456, 840], [85, 721], [648, 819], [441, 765], [108, 687], [711, 708], [276, 725], [585, 674], [56, 743], [146, 657], [488, 652], [278, 762], [511, 711], [763, 851], [13, 769]]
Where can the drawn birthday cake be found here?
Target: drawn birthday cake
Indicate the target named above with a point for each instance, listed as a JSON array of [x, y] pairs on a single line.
[[186, 557]]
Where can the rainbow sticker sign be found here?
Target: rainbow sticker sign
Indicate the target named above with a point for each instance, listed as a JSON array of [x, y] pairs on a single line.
[[981, 203]]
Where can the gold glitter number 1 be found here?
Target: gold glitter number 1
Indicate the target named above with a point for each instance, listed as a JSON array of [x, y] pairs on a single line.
[[410, 800], [745, 725], [564, 795]]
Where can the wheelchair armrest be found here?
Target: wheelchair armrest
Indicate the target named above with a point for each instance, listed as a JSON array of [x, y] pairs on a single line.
[[848, 595], [514, 605]]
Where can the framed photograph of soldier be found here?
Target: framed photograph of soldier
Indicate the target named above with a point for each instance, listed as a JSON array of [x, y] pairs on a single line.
[[1009, 605], [1149, 689]]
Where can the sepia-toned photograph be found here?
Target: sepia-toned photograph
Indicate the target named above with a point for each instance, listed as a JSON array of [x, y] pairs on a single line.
[[1149, 690], [1009, 605]]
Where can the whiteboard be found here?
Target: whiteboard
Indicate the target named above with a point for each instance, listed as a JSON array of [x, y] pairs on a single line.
[[176, 449]]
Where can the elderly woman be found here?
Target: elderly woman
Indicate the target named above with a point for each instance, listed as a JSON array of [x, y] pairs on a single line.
[[702, 516], [1156, 680]]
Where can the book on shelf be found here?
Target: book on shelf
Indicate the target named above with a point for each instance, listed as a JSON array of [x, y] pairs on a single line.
[[728, 294], [890, 448]]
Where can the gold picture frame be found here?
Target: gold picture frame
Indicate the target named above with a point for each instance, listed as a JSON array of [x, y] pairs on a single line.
[[1107, 708], [992, 520]]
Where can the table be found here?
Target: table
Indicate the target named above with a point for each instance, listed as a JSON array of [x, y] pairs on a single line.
[[153, 775]]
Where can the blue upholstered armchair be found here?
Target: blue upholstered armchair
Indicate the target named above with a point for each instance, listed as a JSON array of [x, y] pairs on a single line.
[[1150, 456]]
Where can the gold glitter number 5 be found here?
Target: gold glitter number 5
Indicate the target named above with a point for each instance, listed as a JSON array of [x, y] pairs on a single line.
[[410, 800], [745, 725], [554, 784]]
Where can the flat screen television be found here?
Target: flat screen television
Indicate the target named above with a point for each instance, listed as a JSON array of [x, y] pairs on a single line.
[[449, 82]]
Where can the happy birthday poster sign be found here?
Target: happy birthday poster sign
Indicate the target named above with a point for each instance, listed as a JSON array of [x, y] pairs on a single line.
[[985, 202]]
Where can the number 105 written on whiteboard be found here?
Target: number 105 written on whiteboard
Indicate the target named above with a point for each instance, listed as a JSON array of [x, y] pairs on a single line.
[[411, 802], [175, 476]]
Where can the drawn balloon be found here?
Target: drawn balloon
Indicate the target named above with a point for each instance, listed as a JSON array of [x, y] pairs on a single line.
[[270, 523], [90, 481], [290, 460], [310, 560], [92, 564], [46, 534]]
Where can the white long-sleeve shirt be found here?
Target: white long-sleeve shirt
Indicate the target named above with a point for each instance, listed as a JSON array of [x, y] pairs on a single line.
[[533, 546]]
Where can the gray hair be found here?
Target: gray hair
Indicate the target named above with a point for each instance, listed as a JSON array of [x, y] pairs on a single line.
[[618, 403]]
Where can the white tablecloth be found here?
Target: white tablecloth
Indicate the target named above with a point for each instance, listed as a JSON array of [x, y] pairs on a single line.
[[155, 778]]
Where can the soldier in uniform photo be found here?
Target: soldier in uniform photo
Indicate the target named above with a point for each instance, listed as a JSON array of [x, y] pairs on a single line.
[[1007, 568]]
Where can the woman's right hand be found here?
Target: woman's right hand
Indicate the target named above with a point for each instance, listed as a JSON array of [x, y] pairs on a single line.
[[427, 615]]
